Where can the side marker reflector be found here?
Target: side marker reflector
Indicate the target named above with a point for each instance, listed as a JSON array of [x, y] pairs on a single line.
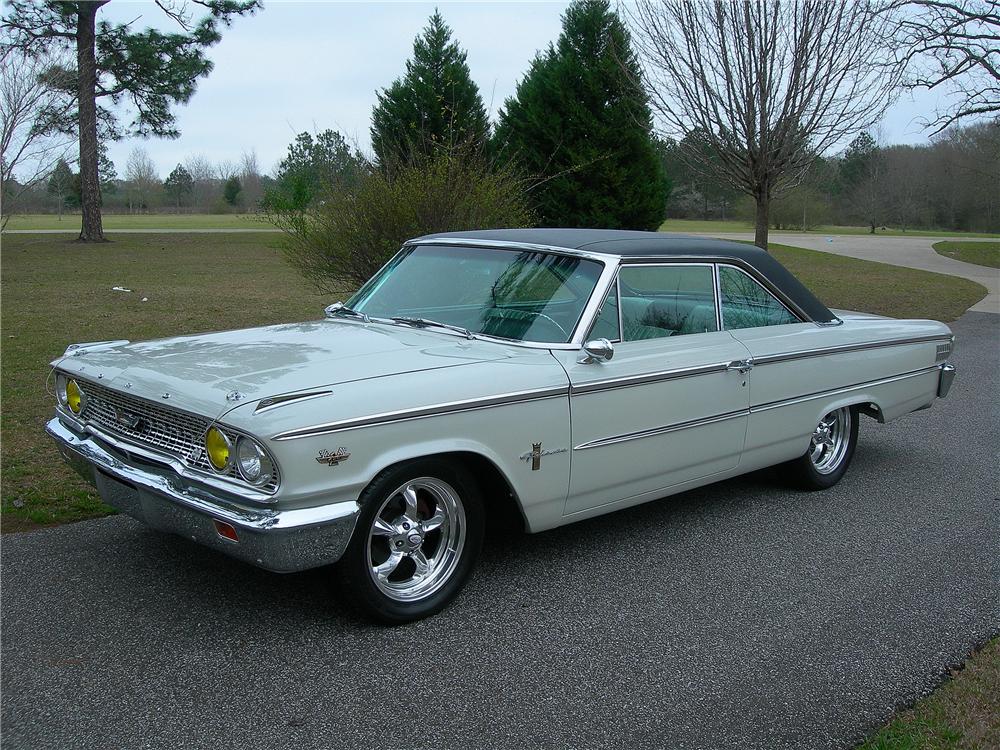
[[226, 531]]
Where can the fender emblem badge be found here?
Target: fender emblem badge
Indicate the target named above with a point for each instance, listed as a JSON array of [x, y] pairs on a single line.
[[536, 453], [333, 458]]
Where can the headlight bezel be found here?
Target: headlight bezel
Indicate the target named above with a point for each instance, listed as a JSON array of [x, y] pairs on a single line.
[[266, 468]]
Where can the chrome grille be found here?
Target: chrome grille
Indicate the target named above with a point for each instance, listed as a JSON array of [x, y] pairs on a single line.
[[148, 424]]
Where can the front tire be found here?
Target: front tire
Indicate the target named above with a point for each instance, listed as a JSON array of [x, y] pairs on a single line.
[[831, 449], [416, 542]]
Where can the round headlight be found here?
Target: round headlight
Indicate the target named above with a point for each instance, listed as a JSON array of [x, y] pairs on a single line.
[[76, 399], [61, 381], [254, 464], [219, 448]]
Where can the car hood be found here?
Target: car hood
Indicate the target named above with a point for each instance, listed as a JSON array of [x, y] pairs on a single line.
[[209, 373]]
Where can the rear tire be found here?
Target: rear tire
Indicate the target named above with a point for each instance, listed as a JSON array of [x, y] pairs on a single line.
[[416, 541], [830, 451]]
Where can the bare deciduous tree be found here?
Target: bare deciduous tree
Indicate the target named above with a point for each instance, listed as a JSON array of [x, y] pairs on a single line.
[[202, 180], [253, 190], [28, 100], [952, 45], [140, 173], [766, 86]]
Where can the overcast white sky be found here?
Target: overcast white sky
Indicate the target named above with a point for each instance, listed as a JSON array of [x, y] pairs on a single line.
[[314, 65]]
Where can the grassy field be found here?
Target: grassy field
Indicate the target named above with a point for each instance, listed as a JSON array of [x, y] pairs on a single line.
[[850, 284], [71, 222], [698, 226], [56, 292], [962, 714], [980, 253]]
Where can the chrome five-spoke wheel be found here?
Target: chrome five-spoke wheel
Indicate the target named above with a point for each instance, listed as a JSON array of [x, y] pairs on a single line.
[[416, 539], [831, 447], [830, 440]]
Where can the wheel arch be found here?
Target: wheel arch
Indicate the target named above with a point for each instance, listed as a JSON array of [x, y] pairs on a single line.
[[504, 511]]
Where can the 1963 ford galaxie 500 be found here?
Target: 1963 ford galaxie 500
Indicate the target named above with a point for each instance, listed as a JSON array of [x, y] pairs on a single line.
[[552, 374]]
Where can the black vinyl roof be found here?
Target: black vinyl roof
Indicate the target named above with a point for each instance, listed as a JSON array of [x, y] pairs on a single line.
[[630, 244]]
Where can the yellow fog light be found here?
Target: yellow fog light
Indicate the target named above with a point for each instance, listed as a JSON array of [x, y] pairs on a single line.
[[219, 448], [75, 398]]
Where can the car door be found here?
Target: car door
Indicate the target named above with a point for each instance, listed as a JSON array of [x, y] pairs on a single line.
[[671, 406]]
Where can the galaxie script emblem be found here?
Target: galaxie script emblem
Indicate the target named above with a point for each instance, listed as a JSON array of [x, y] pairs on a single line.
[[331, 458]]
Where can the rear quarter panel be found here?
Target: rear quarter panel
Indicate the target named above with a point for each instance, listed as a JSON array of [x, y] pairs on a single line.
[[800, 376]]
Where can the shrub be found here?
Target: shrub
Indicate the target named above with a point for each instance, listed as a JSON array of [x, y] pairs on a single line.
[[347, 235]]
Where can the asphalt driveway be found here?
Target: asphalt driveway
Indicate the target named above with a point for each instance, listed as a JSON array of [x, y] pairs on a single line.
[[742, 615]]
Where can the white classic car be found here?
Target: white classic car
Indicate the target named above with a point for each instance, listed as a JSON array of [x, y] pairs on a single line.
[[541, 375]]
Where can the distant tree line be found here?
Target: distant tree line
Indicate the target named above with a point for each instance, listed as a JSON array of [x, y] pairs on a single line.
[[194, 186], [951, 183]]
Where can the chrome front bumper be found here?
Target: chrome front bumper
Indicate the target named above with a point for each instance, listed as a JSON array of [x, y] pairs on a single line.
[[945, 379], [280, 540]]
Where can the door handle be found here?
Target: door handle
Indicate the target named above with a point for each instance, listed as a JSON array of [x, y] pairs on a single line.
[[742, 366]]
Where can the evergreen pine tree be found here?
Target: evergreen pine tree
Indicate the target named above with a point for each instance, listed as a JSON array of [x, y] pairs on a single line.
[[436, 104], [580, 121]]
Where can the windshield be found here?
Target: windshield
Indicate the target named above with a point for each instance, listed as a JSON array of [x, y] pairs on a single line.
[[512, 294]]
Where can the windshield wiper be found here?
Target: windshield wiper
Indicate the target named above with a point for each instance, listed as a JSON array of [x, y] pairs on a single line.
[[339, 308], [426, 322]]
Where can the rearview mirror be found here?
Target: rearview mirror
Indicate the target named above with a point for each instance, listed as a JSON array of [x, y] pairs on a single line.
[[597, 350]]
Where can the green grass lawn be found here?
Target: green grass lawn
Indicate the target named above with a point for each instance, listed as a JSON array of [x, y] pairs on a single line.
[[962, 714], [980, 253], [71, 222], [56, 292], [699, 226], [852, 284]]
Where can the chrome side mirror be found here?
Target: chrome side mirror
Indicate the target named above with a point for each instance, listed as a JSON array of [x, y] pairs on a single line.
[[597, 350]]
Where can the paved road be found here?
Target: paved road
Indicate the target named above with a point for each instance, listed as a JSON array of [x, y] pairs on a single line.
[[738, 616], [911, 252]]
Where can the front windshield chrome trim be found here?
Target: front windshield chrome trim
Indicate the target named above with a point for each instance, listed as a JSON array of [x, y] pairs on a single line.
[[406, 415], [608, 261]]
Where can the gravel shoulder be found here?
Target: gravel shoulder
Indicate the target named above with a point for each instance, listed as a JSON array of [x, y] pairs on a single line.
[[740, 615]]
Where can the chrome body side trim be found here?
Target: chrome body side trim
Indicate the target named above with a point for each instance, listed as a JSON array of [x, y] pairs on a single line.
[[278, 540], [646, 379], [660, 430], [405, 415], [765, 407], [837, 391], [770, 359]]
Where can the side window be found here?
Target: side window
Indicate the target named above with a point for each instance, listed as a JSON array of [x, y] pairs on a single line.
[[746, 304], [607, 324], [667, 300]]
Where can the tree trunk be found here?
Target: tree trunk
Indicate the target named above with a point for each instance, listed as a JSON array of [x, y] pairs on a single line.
[[761, 216], [91, 229]]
